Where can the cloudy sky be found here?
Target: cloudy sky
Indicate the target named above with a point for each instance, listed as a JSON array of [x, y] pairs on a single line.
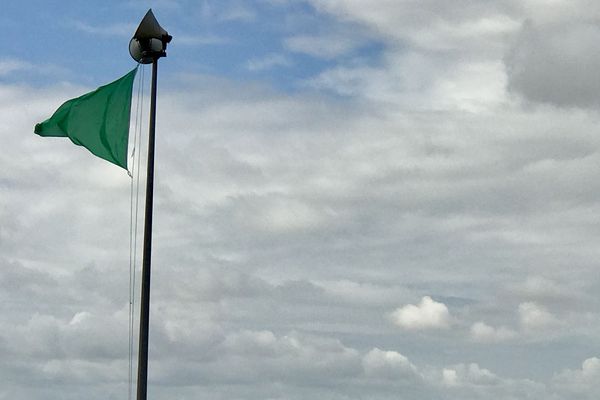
[[387, 199]]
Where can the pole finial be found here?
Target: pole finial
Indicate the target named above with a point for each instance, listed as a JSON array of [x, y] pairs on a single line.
[[149, 41]]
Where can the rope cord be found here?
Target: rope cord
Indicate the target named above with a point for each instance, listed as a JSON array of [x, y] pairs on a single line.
[[133, 217]]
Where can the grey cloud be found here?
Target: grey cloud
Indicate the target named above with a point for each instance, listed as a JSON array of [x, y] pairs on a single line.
[[288, 225], [555, 63]]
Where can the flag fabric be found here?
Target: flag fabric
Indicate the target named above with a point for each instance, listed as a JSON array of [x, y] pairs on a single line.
[[98, 121]]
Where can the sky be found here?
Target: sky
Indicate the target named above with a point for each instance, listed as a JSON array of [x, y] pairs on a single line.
[[392, 199]]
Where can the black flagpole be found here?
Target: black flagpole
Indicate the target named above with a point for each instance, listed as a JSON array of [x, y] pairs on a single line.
[[142, 384], [148, 45]]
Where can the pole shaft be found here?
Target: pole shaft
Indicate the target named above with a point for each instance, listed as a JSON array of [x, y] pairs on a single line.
[[142, 381]]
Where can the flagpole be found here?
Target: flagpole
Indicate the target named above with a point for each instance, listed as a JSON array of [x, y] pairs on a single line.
[[142, 381], [148, 45]]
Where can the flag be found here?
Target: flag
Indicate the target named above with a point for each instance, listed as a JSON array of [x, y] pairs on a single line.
[[98, 121]]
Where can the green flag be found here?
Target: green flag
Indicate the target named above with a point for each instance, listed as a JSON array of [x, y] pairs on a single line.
[[98, 121]]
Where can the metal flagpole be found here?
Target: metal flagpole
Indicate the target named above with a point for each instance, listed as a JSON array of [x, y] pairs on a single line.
[[142, 384], [148, 45]]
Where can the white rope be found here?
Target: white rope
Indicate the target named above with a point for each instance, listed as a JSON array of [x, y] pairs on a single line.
[[133, 217]]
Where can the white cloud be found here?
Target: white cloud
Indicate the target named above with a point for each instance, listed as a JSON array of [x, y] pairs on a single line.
[[263, 356], [406, 20], [362, 293], [449, 377], [544, 53], [7, 66], [465, 375], [226, 12], [558, 11], [534, 317], [482, 332], [117, 29], [413, 79], [327, 47], [237, 12], [590, 368], [201, 40], [274, 213], [268, 62], [471, 381], [428, 314], [543, 288], [589, 372], [387, 365], [582, 383]]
